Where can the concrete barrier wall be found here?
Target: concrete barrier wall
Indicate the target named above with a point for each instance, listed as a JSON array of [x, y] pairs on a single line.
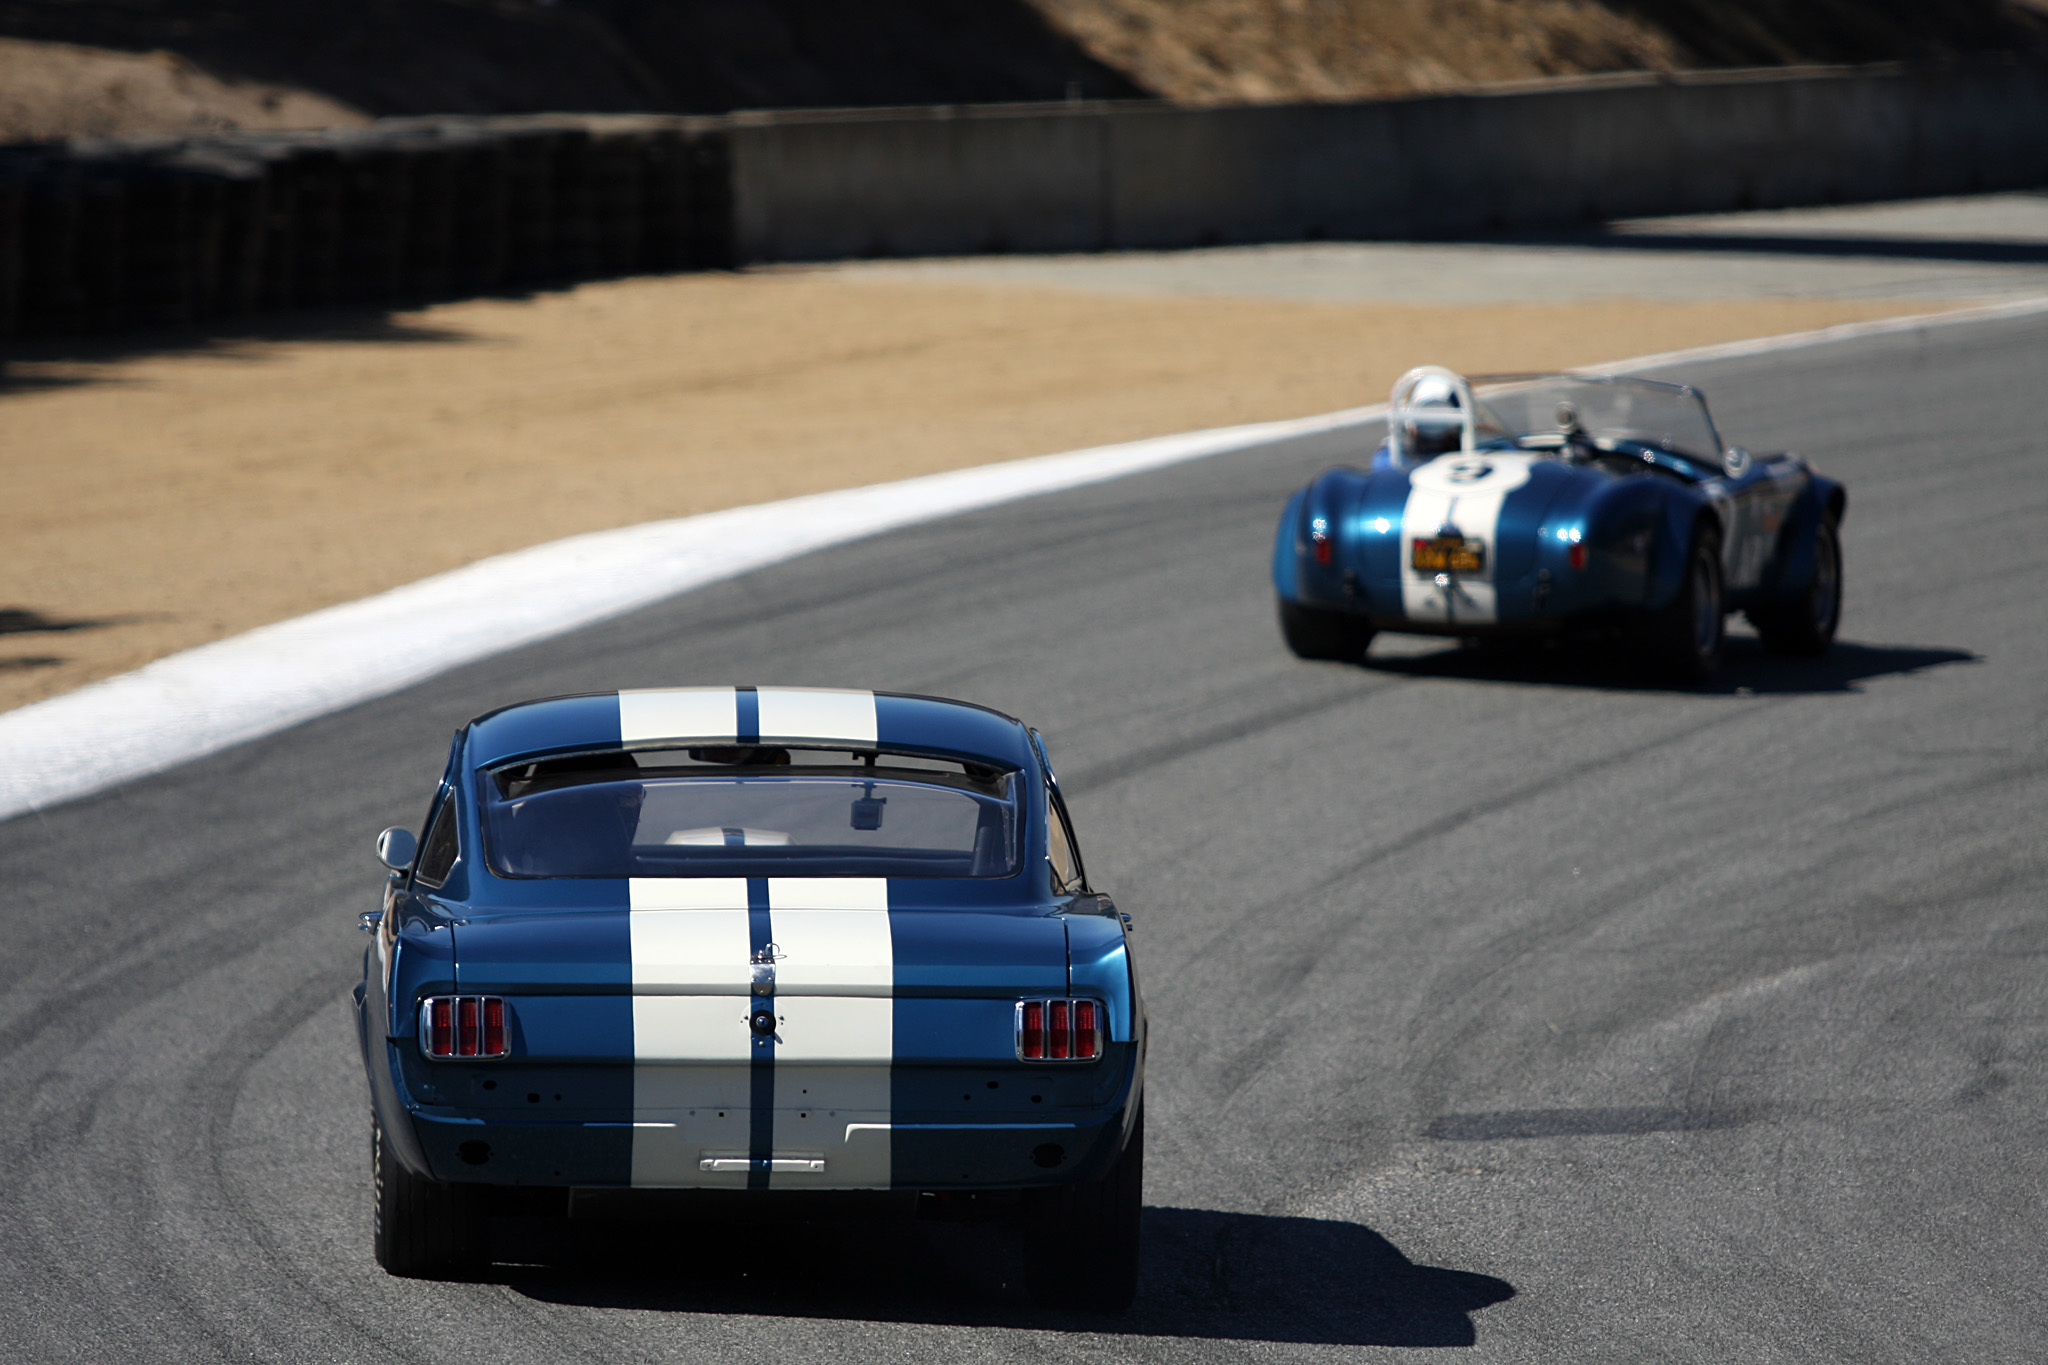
[[100, 235], [810, 186], [918, 182]]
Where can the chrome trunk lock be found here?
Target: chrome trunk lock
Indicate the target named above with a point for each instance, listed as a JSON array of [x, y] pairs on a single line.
[[763, 969]]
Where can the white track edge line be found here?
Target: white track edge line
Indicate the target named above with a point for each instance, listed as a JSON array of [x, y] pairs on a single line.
[[202, 700]]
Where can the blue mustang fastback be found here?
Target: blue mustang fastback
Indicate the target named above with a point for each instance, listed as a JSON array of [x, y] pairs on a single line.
[[741, 941], [1555, 504]]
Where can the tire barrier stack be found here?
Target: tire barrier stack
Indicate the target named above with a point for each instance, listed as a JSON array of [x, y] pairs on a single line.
[[104, 235]]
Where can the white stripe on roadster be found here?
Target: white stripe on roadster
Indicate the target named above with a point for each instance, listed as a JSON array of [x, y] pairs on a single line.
[[816, 713], [1466, 491], [678, 713]]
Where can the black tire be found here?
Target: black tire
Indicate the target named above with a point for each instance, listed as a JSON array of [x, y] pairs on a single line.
[[1805, 625], [1683, 642], [1317, 633], [1081, 1241], [421, 1227]]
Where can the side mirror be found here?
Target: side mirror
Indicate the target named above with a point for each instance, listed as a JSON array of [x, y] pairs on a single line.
[[396, 848], [1736, 461]]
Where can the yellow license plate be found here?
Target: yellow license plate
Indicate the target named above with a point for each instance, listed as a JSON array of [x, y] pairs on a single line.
[[1448, 554]]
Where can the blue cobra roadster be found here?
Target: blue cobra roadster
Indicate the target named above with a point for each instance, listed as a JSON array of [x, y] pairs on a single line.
[[1550, 504], [753, 944]]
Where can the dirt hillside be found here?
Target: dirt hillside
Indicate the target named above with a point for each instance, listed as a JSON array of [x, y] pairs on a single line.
[[168, 65], [1261, 50]]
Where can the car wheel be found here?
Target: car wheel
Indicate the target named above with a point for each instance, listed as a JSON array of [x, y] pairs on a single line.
[[1684, 640], [1317, 633], [1081, 1241], [1806, 624], [421, 1227]]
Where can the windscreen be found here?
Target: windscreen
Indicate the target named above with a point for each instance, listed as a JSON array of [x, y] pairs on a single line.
[[1668, 417], [749, 812]]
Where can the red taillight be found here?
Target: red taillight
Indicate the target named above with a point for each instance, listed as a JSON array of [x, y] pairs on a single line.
[[1031, 1030], [1576, 556], [1323, 551], [467, 1032], [1059, 1030], [463, 1026]]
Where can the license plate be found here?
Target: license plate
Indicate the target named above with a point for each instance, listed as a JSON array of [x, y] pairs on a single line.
[[1448, 554]]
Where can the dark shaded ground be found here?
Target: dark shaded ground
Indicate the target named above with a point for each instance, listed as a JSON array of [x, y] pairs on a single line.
[[1210, 1276]]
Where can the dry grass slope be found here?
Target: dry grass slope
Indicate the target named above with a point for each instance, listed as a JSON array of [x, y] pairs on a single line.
[[176, 65], [1202, 51]]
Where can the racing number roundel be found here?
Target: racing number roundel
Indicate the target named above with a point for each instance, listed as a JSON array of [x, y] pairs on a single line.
[[1462, 476]]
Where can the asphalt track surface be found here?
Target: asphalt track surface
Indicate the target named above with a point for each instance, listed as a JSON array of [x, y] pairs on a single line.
[[1500, 1001]]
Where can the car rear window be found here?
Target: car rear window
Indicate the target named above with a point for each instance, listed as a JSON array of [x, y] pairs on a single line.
[[749, 811]]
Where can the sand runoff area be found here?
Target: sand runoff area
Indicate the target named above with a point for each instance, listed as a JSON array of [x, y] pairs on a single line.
[[157, 500]]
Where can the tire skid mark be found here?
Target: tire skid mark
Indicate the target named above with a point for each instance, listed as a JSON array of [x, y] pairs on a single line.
[[214, 1099], [1189, 744], [1347, 923], [174, 1308], [1423, 1069]]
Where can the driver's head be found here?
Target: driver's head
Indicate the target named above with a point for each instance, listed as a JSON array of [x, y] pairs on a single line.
[[1432, 419]]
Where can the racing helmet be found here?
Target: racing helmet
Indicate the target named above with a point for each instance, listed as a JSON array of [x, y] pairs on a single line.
[[1433, 420], [1428, 415]]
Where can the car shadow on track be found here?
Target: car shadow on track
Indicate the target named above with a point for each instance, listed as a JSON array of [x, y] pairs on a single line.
[[1746, 669], [1210, 1275]]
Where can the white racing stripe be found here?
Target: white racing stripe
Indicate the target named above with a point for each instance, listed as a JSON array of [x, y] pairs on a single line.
[[691, 1044], [1465, 491], [817, 713], [838, 1033], [689, 936], [678, 713], [701, 1109], [828, 893], [693, 1050]]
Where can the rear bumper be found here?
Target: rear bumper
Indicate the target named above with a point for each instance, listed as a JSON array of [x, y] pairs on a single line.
[[918, 1156], [936, 1128]]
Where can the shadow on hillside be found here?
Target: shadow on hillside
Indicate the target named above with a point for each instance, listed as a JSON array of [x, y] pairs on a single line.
[[29, 365], [1207, 1275], [619, 56]]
